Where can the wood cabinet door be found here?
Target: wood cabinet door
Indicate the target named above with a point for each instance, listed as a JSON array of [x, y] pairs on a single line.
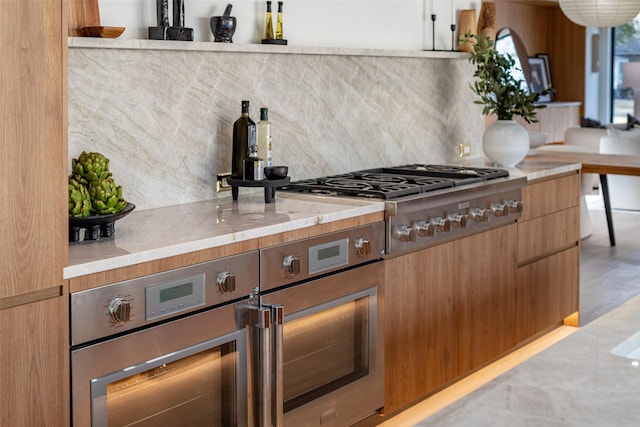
[[34, 352], [34, 344], [547, 292], [421, 324], [33, 151], [487, 296]]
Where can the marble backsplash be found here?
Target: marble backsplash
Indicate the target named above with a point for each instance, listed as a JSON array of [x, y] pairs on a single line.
[[164, 117]]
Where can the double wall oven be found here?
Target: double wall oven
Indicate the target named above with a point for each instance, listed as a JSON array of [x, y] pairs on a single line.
[[290, 335]]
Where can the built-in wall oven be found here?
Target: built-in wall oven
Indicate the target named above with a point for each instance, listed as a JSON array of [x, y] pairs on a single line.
[[324, 296], [165, 349]]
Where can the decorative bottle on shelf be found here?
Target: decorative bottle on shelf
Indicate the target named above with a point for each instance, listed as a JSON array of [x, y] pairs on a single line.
[[268, 30], [244, 135], [279, 22], [263, 137], [253, 165]]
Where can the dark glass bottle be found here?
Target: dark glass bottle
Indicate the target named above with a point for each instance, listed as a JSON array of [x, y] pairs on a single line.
[[244, 135]]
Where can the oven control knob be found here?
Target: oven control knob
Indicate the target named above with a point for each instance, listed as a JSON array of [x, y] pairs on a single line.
[[443, 225], [459, 221], [425, 229], [363, 247], [515, 206], [500, 209], [291, 265], [119, 310], [479, 215], [405, 234], [226, 282]]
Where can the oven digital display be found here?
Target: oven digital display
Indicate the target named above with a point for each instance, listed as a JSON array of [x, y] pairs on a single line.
[[173, 297], [174, 292], [328, 252], [328, 256]]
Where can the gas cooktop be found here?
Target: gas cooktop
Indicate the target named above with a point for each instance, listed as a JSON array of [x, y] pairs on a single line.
[[393, 182]]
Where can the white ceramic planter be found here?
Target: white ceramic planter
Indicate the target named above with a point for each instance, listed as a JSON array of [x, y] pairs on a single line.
[[505, 143]]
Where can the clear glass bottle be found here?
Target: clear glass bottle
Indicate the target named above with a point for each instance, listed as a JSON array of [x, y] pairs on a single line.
[[253, 165], [279, 22], [244, 135], [268, 30], [263, 137]]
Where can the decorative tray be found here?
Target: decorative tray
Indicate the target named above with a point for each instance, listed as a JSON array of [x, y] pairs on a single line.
[[269, 185], [96, 226]]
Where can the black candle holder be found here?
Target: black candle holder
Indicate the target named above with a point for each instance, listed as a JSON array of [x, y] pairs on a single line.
[[453, 32], [433, 31]]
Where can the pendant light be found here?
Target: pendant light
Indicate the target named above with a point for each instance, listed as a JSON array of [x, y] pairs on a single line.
[[600, 13]]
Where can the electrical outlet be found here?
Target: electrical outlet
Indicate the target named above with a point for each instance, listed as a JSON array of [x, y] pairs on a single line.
[[221, 182], [465, 150]]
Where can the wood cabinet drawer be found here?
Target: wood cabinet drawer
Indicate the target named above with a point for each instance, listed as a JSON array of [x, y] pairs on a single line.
[[547, 234], [544, 197], [547, 292]]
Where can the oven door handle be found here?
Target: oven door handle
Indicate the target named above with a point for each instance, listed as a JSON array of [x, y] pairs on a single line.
[[277, 397]]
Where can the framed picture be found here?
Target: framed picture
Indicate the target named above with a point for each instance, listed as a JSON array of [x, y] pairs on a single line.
[[545, 57], [540, 79]]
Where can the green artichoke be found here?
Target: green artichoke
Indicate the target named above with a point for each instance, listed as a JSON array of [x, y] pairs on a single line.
[[90, 167], [79, 198], [106, 196]]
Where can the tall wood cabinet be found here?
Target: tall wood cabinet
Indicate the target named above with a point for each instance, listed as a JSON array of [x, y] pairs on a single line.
[[34, 373]]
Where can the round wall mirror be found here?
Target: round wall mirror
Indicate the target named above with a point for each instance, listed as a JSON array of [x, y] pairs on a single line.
[[509, 42]]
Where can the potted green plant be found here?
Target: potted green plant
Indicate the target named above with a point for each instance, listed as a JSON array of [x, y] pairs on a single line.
[[505, 142]]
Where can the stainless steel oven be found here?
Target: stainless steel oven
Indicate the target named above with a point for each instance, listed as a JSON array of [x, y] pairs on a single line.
[[326, 343], [165, 349]]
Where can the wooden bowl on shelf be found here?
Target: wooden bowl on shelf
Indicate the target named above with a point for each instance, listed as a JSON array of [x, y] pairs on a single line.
[[102, 32]]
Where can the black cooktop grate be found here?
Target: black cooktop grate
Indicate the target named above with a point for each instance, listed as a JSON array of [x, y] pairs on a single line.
[[394, 182]]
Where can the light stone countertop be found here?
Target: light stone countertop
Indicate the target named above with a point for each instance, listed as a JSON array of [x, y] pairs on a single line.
[[159, 233], [586, 379], [153, 234]]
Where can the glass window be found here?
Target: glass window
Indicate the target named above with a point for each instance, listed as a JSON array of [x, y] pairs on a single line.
[[626, 49]]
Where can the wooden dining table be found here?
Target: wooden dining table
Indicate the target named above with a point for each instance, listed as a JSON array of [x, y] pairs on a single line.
[[601, 164]]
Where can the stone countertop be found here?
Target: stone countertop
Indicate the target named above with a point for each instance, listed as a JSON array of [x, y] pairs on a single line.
[[583, 380], [159, 233], [530, 167]]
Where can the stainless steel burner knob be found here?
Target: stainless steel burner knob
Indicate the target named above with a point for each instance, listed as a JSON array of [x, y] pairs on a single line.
[[119, 310], [425, 229], [291, 265], [459, 221], [515, 206], [405, 234], [363, 247], [500, 209], [480, 215], [226, 282], [443, 225]]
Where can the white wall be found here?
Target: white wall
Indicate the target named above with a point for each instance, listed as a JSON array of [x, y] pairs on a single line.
[[383, 24]]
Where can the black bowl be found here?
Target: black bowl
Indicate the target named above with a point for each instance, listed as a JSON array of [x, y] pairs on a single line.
[[276, 172]]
